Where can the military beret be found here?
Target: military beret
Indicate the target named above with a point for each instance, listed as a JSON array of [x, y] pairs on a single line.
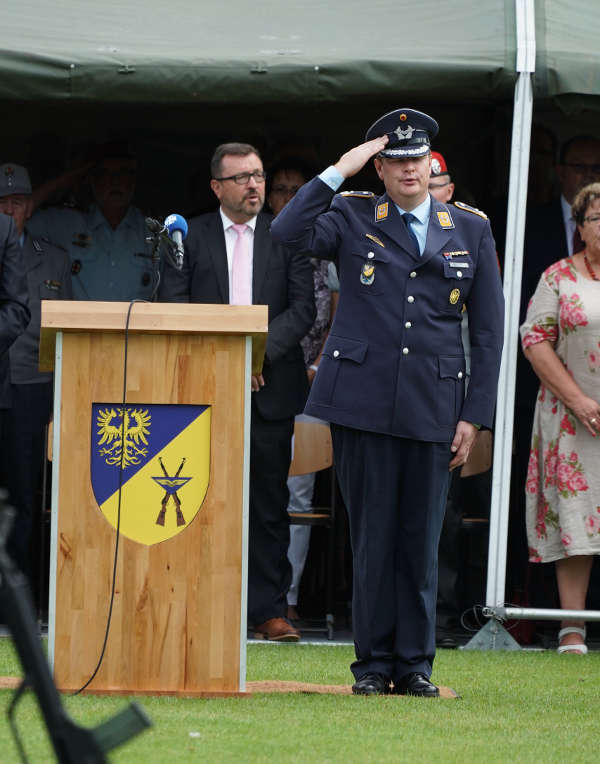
[[438, 164], [409, 132]]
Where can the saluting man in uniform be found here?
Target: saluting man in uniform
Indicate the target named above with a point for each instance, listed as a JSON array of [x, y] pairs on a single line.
[[392, 379]]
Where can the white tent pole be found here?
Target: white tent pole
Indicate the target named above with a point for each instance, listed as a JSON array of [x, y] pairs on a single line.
[[513, 262]]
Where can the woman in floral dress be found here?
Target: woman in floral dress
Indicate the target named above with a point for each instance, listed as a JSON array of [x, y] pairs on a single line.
[[561, 339]]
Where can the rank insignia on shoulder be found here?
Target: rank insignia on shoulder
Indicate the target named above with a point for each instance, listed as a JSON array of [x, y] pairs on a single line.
[[375, 239], [37, 246], [468, 208], [381, 211], [359, 194], [445, 219], [367, 274]]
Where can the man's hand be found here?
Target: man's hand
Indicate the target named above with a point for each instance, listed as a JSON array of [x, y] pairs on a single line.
[[461, 445], [354, 160], [256, 382]]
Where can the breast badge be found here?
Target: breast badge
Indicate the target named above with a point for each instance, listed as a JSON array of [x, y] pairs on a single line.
[[454, 296], [375, 239], [367, 274]]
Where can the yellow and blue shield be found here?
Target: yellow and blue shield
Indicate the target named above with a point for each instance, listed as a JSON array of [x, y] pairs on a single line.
[[158, 457]]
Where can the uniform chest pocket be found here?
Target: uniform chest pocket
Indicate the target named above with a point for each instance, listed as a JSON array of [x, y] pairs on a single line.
[[458, 268], [369, 272]]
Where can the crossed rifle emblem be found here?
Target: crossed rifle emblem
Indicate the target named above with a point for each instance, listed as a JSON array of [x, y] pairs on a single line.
[[171, 484]]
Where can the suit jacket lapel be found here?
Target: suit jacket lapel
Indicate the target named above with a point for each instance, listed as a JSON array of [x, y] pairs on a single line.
[[437, 236], [215, 243], [260, 256], [394, 227]]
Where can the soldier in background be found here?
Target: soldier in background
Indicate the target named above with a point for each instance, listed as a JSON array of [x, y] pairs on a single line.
[[48, 273]]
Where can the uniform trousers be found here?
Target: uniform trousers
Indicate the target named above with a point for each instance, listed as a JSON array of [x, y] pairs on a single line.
[[22, 448], [395, 492], [269, 570]]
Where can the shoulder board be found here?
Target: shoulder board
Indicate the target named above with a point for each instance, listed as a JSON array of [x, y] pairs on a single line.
[[468, 208], [38, 246], [359, 194]]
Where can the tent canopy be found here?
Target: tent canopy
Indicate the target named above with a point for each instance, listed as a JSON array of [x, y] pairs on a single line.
[[216, 53]]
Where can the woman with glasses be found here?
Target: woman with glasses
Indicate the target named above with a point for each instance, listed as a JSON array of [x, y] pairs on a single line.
[[561, 339]]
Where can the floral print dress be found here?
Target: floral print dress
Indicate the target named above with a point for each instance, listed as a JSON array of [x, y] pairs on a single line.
[[563, 481]]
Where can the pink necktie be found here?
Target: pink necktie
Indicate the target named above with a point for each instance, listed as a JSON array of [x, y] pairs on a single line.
[[241, 286]]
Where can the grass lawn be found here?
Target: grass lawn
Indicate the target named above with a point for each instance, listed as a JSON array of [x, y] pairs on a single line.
[[521, 707]]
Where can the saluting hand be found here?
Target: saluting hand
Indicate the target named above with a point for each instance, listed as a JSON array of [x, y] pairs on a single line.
[[461, 445], [354, 160]]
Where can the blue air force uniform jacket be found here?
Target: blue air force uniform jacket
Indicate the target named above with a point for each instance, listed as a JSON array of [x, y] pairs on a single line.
[[394, 360]]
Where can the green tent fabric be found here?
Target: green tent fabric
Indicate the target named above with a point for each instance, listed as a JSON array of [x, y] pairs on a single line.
[[252, 52], [308, 52], [568, 53]]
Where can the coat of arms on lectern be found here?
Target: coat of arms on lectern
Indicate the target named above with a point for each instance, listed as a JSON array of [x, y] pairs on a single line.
[[150, 465]]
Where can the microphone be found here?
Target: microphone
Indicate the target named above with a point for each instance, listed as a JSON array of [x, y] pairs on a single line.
[[177, 229]]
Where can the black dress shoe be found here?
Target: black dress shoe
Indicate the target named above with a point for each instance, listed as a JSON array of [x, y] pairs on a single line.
[[416, 684], [371, 684]]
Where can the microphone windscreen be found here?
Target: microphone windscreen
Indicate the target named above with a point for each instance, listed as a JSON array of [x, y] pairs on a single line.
[[176, 223]]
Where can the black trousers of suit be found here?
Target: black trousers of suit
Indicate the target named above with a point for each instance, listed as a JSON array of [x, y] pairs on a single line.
[[395, 493], [269, 570]]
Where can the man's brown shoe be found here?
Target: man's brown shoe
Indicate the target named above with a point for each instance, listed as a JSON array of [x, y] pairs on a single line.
[[277, 630]]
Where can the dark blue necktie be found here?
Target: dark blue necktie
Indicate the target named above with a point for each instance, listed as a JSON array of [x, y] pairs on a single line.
[[408, 218]]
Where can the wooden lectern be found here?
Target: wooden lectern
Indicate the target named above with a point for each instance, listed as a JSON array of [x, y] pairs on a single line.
[[179, 614]]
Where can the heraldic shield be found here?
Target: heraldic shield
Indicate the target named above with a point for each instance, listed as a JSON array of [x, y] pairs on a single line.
[[165, 453]]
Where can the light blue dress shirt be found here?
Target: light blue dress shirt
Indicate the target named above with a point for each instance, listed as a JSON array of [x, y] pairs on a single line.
[[334, 180], [106, 264]]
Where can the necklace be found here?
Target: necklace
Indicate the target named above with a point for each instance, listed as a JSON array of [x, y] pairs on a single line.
[[588, 265]]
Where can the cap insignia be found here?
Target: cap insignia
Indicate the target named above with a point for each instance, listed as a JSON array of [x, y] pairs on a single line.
[[403, 117], [405, 134]]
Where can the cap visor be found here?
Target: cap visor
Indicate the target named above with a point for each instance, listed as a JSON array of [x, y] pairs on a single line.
[[406, 151]]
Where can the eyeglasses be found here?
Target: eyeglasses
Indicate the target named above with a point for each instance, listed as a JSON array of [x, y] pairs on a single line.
[[584, 169], [243, 178], [592, 219], [433, 186], [281, 189]]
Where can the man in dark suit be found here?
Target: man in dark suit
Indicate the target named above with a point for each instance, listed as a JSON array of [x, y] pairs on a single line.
[[14, 310], [231, 258], [392, 379]]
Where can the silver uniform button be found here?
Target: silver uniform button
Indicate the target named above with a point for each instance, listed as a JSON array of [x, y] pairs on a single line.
[[459, 274], [336, 353], [371, 255], [408, 324], [413, 274], [410, 298], [460, 375], [405, 351]]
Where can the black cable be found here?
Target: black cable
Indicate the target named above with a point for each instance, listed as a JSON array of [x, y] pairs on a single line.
[[114, 575]]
